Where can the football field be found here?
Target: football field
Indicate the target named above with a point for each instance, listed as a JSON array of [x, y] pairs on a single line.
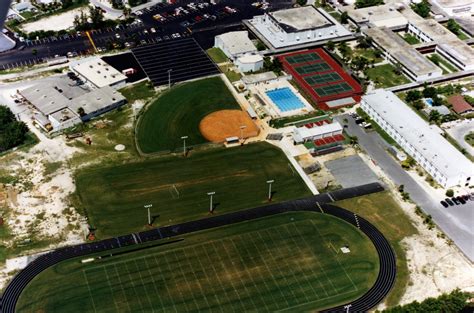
[[289, 262]]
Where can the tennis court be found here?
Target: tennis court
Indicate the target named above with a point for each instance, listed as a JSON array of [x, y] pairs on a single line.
[[318, 79], [322, 78], [333, 89], [311, 68], [303, 58]]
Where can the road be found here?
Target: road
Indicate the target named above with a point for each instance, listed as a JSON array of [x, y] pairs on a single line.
[[458, 130], [455, 221], [38, 51]]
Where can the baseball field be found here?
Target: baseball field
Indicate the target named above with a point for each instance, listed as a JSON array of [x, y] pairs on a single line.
[[177, 187], [287, 262], [178, 113]]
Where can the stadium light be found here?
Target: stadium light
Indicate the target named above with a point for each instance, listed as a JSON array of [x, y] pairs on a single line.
[[242, 132], [211, 206], [148, 207], [184, 145], [347, 307], [169, 78], [269, 182]]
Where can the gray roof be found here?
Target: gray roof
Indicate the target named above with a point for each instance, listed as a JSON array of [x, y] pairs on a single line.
[[96, 100]]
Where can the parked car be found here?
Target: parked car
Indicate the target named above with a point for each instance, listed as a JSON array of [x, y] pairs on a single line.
[[117, 36], [455, 200], [444, 204], [461, 199], [448, 201]]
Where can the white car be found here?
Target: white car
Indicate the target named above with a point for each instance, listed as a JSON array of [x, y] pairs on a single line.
[[153, 30], [117, 36]]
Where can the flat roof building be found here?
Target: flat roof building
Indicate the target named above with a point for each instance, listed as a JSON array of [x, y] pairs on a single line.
[[397, 50], [423, 142], [379, 16], [99, 74], [296, 26], [304, 134], [235, 44]]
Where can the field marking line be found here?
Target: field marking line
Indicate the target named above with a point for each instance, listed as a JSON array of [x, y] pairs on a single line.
[[174, 279], [308, 303], [180, 267], [197, 280], [303, 271], [322, 268], [110, 286], [340, 265], [154, 282], [121, 286], [264, 279], [279, 269], [291, 269], [249, 277], [233, 267], [132, 284], [165, 282], [89, 288], [221, 285], [143, 285]]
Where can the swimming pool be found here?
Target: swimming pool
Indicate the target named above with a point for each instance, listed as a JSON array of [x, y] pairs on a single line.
[[428, 101], [285, 99]]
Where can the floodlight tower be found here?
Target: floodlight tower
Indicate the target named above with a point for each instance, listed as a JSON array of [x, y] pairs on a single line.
[[211, 205], [5, 42], [270, 182]]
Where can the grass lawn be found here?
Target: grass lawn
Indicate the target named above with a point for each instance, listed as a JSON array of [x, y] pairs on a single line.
[[369, 54], [288, 262], [385, 76], [439, 60], [470, 138], [412, 40], [217, 55], [232, 75], [178, 112], [141, 91], [114, 196], [383, 211]]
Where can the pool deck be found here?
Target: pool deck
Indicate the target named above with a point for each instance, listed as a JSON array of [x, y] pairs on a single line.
[[273, 110]]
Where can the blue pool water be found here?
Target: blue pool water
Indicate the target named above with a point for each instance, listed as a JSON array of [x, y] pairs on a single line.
[[429, 102], [285, 99]]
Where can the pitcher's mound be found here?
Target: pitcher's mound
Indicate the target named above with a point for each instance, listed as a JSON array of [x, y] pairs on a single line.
[[219, 125]]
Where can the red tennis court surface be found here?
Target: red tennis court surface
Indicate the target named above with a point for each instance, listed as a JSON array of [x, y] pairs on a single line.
[[321, 77]]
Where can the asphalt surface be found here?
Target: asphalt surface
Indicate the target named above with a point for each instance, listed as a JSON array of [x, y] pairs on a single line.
[[203, 31], [318, 203], [455, 221]]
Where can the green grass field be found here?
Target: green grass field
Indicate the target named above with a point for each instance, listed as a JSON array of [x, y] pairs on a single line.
[[217, 55], [114, 196], [290, 262], [385, 76], [178, 112]]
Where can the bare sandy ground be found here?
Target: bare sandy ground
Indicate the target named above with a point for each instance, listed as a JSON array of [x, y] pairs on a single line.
[[54, 22]]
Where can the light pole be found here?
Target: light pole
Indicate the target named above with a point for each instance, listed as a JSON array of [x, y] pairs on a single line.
[[169, 78], [211, 206], [184, 145], [347, 307], [242, 132], [269, 182], [148, 207]]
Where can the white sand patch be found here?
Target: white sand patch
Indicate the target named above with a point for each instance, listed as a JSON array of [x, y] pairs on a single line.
[[55, 22]]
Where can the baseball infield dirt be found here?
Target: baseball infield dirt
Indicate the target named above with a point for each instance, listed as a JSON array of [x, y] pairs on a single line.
[[219, 125]]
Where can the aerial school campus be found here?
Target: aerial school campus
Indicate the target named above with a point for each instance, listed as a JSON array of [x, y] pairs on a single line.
[[246, 157]]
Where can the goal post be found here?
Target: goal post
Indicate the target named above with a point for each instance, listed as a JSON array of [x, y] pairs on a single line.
[[174, 191]]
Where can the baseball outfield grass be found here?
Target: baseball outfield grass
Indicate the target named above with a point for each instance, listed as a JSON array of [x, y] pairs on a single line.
[[178, 112], [288, 262], [177, 187]]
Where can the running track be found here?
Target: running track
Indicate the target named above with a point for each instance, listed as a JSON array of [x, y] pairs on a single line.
[[319, 203]]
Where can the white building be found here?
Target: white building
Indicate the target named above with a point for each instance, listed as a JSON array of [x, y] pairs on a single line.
[[398, 51], [296, 26], [98, 73], [235, 44], [387, 15], [249, 63], [304, 134], [456, 8], [423, 142]]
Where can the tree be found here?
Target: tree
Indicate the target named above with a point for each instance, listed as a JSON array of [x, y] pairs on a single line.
[[345, 50], [344, 17], [364, 42], [330, 45], [434, 116], [422, 8], [12, 132], [127, 11], [97, 17], [413, 95], [418, 105], [367, 3], [429, 92], [302, 2], [360, 63], [453, 26]]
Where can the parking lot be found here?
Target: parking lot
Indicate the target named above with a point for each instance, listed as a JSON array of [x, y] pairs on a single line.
[[351, 171]]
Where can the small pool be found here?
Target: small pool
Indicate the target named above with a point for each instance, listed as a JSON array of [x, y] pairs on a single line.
[[285, 99], [428, 101]]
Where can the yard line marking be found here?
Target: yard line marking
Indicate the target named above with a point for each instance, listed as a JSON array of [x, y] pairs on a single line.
[[165, 283], [182, 274], [154, 282], [132, 284], [121, 286], [143, 284], [199, 284], [110, 286], [89, 288]]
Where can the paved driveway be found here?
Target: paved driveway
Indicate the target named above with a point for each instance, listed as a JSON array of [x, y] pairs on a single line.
[[456, 222], [459, 130]]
